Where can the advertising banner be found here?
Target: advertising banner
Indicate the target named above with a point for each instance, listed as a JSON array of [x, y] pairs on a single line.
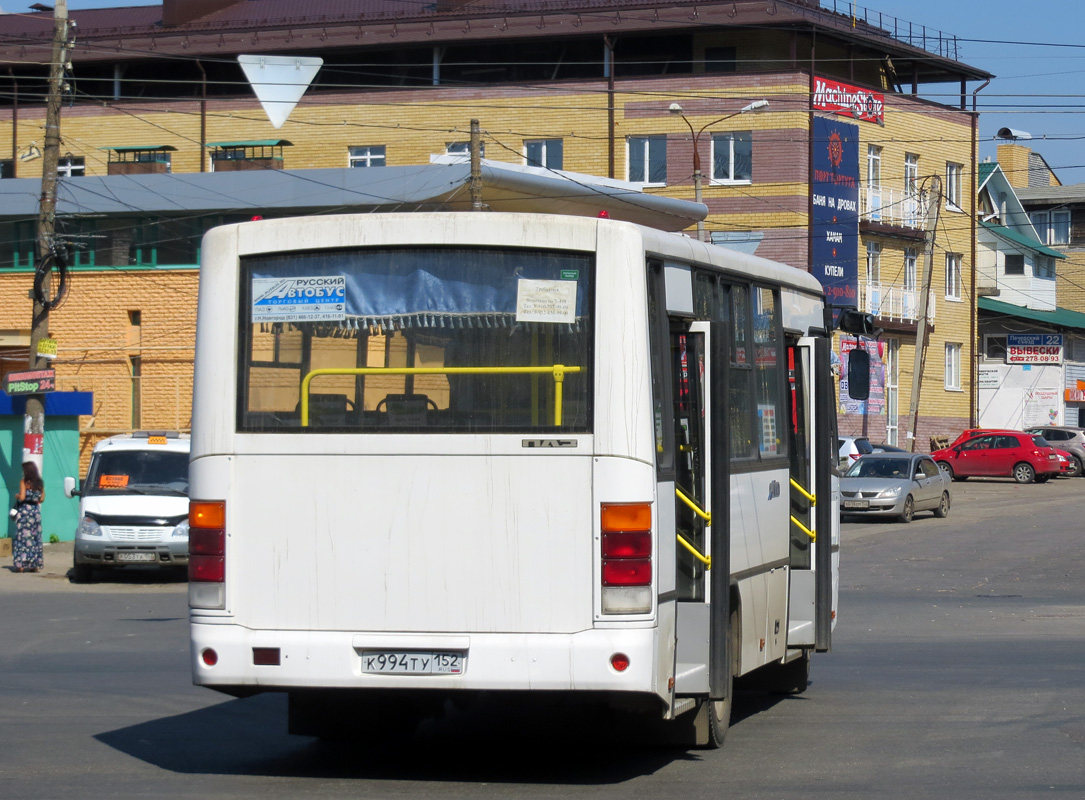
[[835, 200], [1034, 348], [875, 404], [849, 101]]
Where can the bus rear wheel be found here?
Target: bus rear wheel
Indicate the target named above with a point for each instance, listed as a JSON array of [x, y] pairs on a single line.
[[719, 711]]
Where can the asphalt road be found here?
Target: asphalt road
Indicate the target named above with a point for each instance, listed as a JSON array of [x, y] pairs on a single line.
[[956, 671]]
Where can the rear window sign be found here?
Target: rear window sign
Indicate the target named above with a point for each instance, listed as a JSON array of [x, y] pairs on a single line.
[[313, 299], [545, 301]]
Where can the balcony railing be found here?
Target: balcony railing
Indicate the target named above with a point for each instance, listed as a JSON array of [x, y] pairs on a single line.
[[891, 302], [893, 207]]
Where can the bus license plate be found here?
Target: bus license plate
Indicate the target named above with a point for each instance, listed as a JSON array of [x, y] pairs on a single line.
[[856, 504], [415, 662], [135, 556]]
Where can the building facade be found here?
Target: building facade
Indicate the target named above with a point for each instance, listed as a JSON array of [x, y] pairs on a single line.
[[666, 99]]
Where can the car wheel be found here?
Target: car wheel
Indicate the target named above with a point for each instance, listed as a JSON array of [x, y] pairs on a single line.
[[1024, 473], [81, 573], [719, 711], [1077, 468], [909, 509], [947, 470], [942, 511]]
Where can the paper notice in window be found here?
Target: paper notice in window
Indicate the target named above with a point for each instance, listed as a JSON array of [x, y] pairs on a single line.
[[546, 301]]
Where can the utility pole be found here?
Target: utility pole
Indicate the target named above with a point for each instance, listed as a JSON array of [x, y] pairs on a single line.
[[34, 421], [934, 206], [476, 166]]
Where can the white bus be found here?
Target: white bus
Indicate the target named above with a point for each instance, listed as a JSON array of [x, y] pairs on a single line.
[[442, 454]]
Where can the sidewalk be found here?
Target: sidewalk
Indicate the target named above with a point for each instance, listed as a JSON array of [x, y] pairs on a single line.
[[58, 562]]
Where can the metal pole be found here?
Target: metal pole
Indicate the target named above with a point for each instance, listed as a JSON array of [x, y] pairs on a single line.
[[476, 166], [34, 421]]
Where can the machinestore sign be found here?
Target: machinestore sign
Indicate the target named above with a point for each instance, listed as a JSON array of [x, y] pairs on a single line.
[[849, 101], [36, 381], [834, 197], [1034, 348]]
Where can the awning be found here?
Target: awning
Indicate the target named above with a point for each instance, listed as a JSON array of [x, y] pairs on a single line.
[[253, 143], [1059, 318], [132, 148]]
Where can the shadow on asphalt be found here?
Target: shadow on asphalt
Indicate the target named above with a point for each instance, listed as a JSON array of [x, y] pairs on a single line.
[[490, 743], [135, 576]]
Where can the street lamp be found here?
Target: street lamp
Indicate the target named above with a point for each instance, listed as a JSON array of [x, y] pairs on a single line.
[[676, 109]]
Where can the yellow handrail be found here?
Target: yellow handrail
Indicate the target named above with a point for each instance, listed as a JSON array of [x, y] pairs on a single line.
[[557, 370], [813, 500], [706, 516], [804, 529], [706, 560]]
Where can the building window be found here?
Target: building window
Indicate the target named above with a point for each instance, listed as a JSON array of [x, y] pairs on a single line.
[[367, 156], [7, 168], [71, 167], [548, 153], [1015, 264], [953, 276], [994, 347], [953, 184], [911, 174], [464, 149], [873, 166], [873, 262], [1053, 227], [648, 159], [910, 268], [1045, 267], [732, 157], [953, 366]]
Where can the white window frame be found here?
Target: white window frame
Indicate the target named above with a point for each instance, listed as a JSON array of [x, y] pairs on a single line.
[[729, 137], [953, 277], [911, 274], [954, 176], [650, 141], [911, 174], [545, 146], [873, 166], [873, 263], [953, 367], [464, 149], [67, 168], [366, 155]]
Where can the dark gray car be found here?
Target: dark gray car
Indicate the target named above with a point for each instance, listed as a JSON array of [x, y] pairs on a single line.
[[1065, 437]]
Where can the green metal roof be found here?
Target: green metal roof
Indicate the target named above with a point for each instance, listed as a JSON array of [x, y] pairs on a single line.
[[1059, 318], [253, 143], [1010, 235], [986, 169], [128, 148]]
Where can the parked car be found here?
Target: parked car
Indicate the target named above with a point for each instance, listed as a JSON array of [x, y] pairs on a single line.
[[133, 504], [1022, 456], [1065, 437], [971, 433], [888, 448], [1066, 463], [851, 448], [895, 485]]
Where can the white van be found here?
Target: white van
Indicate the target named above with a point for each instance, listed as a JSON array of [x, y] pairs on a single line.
[[133, 505]]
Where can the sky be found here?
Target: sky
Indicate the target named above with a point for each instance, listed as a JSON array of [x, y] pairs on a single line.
[[1035, 50]]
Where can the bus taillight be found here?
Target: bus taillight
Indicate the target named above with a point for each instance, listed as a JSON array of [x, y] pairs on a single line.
[[626, 558], [207, 554]]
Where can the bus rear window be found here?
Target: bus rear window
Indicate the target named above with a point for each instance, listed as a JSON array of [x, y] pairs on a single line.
[[416, 340]]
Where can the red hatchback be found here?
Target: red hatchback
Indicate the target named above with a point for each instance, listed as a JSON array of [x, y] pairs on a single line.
[[1022, 456]]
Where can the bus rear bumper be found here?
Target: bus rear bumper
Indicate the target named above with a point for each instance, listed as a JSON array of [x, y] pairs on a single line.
[[492, 661]]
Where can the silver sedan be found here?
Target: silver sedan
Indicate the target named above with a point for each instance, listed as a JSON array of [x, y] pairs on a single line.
[[894, 485]]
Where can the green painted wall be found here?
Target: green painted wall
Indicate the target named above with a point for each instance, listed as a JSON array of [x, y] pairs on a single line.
[[59, 514]]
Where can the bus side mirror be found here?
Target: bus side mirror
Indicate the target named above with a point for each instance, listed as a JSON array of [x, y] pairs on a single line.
[[859, 374]]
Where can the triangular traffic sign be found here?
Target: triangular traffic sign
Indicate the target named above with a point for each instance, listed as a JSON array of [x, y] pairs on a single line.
[[279, 82]]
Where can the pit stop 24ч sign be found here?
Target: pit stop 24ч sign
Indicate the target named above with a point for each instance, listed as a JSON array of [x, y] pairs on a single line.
[[1034, 348]]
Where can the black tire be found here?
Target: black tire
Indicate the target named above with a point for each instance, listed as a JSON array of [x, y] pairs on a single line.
[[909, 509], [790, 678], [942, 509], [1079, 468], [719, 712], [1024, 473], [81, 573], [947, 470]]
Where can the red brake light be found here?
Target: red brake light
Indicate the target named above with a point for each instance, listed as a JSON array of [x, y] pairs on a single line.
[[627, 572], [206, 542], [207, 569], [627, 545]]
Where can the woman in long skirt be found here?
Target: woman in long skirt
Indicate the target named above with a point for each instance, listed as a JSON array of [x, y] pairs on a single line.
[[26, 548]]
